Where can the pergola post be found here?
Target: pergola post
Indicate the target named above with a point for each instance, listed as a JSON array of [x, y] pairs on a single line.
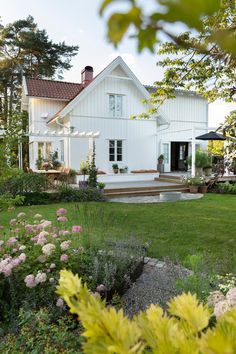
[[193, 152]]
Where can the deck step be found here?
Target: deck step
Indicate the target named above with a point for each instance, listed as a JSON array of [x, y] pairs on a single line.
[[169, 179], [140, 192], [148, 188]]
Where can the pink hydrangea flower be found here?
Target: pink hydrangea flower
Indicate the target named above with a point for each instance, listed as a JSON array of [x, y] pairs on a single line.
[[61, 212], [76, 229], [1, 227], [65, 245], [11, 241], [17, 230], [220, 308], [62, 219], [231, 296], [22, 257], [54, 235], [7, 270], [40, 278], [29, 228], [30, 281], [15, 262], [48, 249], [60, 302], [64, 258], [21, 215], [13, 222], [37, 216], [46, 223]]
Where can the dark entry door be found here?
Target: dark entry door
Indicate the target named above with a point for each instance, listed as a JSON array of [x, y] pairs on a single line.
[[179, 153]]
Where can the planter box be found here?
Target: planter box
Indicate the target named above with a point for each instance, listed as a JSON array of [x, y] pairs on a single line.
[[193, 189], [202, 189]]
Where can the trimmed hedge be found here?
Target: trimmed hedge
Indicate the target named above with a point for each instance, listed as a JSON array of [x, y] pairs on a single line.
[[68, 195], [21, 182]]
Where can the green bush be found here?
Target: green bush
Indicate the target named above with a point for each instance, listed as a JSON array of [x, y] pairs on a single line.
[[40, 333], [202, 159], [228, 188], [20, 182]]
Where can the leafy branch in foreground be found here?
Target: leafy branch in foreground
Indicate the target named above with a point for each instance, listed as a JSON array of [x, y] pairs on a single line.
[[185, 329]]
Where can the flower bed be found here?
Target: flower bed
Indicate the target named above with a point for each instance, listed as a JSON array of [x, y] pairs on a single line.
[[32, 253]]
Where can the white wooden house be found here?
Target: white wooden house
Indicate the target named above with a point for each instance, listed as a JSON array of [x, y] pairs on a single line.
[[66, 117]]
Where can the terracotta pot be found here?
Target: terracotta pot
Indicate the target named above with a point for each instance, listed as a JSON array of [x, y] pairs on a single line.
[[202, 189], [193, 189]]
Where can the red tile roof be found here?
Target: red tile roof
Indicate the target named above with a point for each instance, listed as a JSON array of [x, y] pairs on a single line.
[[52, 89]]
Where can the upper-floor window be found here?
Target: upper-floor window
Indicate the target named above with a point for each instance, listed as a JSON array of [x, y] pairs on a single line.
[[115, 105]]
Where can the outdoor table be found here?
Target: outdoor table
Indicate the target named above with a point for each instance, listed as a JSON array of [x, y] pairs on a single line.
[[51, 174]]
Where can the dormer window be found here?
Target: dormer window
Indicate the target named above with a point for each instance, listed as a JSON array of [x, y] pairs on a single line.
[[115, 105]]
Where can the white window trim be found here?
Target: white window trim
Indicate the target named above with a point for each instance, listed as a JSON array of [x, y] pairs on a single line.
[[122, 105], [115, 153]]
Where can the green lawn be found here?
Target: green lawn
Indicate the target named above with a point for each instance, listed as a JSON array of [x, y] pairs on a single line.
[[173, 230]]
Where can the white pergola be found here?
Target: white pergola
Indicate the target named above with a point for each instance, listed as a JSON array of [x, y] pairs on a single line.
[[91, 135]]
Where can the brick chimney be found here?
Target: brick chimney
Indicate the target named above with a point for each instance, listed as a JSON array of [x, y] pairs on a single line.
[[87, 75]]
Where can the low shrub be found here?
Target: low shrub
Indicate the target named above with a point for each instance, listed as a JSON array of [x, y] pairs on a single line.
[[20, 183], [226, 187], [63, 194], [185, 328], [39, 333]]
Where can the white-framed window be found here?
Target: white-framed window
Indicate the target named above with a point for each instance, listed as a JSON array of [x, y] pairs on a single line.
[[115, 150], [115, 105], [62, 151]]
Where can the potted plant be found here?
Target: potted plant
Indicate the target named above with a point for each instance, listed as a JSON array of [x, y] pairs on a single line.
[[193, 183], [84, 166], [115, 168], [203, 187], [101, 186], [161, 159], [208, 170], [46, 165], [71, 176], [201, 160]]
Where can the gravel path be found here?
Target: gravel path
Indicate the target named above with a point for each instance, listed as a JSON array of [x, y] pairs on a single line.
[[155, 285]]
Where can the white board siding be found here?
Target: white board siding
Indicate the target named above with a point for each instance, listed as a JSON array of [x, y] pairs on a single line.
[[184, 113], [96, 104], [138, 137]]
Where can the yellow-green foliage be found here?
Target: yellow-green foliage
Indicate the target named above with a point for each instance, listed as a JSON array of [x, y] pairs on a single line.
[[183, 330]]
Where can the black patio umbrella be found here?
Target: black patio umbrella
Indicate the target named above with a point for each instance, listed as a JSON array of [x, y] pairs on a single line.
[[211, 136]]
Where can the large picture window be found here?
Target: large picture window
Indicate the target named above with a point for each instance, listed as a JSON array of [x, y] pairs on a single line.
[[44, 150], [115, 105], [115, 150]]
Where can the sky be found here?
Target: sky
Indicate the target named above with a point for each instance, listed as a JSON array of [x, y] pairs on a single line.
[[77, 22]]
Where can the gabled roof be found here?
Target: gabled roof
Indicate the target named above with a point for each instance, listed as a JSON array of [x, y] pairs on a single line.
[[52, 89], [107, 71]]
